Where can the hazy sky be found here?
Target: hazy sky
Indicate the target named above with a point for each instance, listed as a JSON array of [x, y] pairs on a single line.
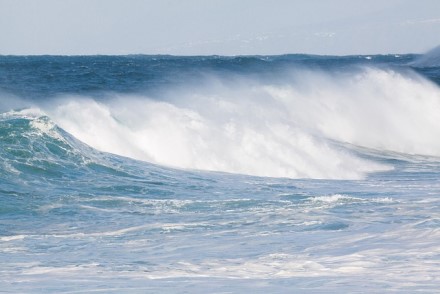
[[224, 27]]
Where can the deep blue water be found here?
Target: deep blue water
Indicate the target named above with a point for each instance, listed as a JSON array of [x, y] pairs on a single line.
[[263, 174]]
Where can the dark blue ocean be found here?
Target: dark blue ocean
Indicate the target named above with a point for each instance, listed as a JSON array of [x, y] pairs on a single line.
[[252, 174]]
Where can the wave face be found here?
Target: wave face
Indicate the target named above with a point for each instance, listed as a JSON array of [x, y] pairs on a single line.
[[216, 174]]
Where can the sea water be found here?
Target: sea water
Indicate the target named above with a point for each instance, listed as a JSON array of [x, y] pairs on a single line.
[[252, 174]]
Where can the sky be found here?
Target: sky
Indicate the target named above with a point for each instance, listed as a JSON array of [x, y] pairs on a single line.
[[218, 27]]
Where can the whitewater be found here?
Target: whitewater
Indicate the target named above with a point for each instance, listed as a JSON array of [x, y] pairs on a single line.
[[213, 174]]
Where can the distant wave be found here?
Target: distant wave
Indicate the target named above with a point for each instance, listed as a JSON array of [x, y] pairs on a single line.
[[430, 59]]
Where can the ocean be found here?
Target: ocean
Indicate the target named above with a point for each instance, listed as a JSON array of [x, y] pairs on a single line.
[[214, 174]]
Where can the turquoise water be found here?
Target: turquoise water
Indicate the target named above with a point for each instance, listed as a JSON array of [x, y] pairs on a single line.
[[279, 174]]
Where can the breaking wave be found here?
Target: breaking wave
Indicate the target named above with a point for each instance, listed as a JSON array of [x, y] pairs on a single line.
[[291, 127]]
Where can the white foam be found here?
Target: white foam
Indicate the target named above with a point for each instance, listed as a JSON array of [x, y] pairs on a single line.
[[341, 199], [12, 238], [334, 198], [28, 112], [44, 126]]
